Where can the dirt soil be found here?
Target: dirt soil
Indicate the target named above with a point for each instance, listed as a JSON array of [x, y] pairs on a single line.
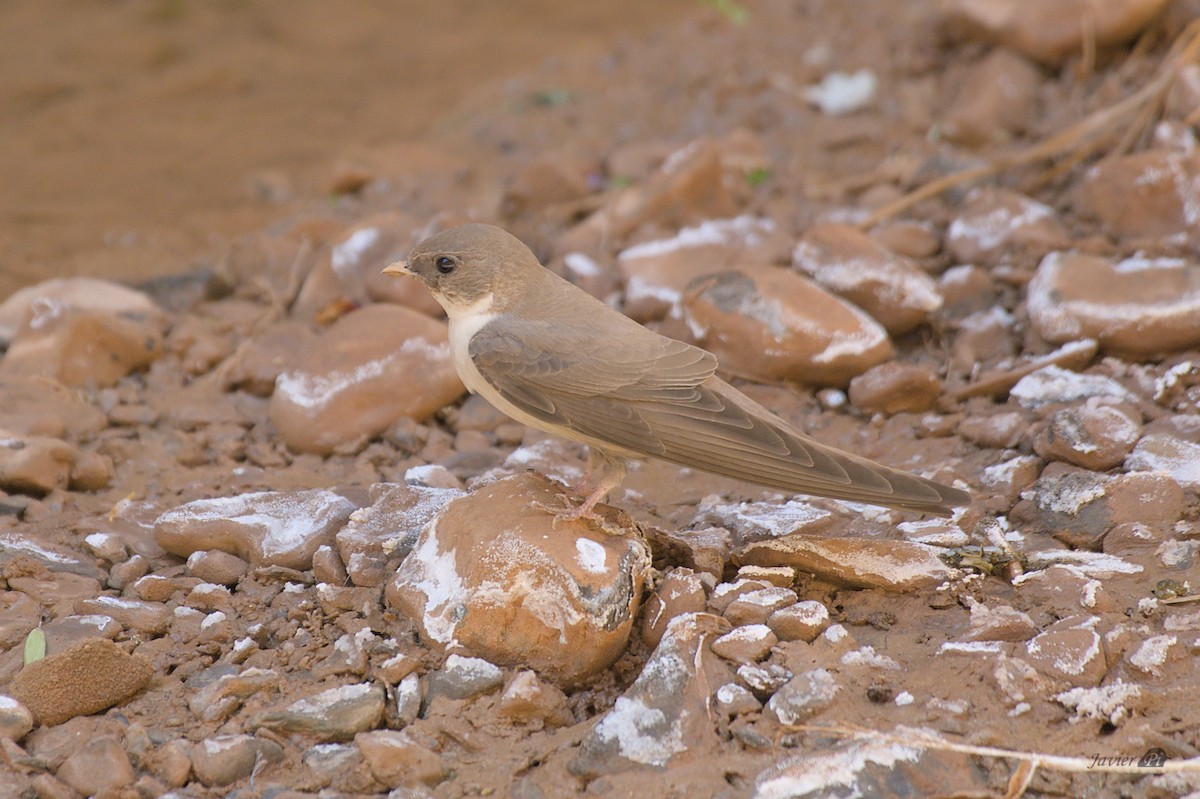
[[173, 147]]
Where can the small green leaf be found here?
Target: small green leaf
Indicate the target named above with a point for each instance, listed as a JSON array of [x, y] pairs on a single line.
[[733, 11], [35, 645], [553, 98], [757, 177]]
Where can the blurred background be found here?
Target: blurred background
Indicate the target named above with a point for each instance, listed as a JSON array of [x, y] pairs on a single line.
[[136, 137]]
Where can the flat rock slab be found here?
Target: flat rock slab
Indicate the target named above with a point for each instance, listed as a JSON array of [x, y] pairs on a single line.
[[859, 563]]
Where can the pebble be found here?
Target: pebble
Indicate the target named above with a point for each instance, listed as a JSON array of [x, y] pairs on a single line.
[[734, 700], [1070, 651], [681, 591], [85, 293], [78, 347], [1176, 457], [665, 711], [1092, 437], [994, 431], [464, 677], [396, 760], [19, 614], [220, 698], [379, 536], [656, 273], [779, 326], [1151, 194], [802, 697], [997, 100], [267, 528], [705, 551], [46, 408], [848, 262], [157, 588], [752, 521], [34, 464], [895, 387], [996, 224], [225, 759], [746, 644], [754, 607], [1049, 33], [259, 360], [803, 621], [524, 588], [97, 767], [335, 714], [89, 677], [726, 593], [889, 769], [215, 566], [15, 719], [1052, 384], [170, 762], [1140, 306], [529, 698], [890, 565], [355, 380], [763, 679], [152, 618], [91, 471], [1000, 623], [549, 179], [328, 567]]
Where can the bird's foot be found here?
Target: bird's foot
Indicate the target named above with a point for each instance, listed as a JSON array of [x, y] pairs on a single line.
[[567, 511]]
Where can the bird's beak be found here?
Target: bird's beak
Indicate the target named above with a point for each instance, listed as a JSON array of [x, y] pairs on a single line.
[[398, 268]]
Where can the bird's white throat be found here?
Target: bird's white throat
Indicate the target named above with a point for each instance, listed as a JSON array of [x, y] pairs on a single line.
[[465, 322]]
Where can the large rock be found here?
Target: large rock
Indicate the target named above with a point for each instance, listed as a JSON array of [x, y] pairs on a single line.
[[504, 579], [267, 528], [85, 293], [1148, 194], [82, 347], [1140, 306], [34, 464], [1051, 32], [779, 326], [854, 266], [369, 369], [90, 676], [657, 272]]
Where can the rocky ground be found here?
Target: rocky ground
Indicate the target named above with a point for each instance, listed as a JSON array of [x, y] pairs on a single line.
[[256, 541]]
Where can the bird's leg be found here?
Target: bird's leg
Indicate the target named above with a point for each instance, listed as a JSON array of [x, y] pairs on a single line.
[[606, 472]]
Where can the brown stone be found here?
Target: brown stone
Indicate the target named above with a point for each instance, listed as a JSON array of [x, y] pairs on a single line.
[[1096, 438], [998, 223], [746, 644], [1140, 306], [998, 98], [1176, 457], [215, 566], [46, 408], [100, 765], [84, 293], [148, 617], [523, 588], [258, 361], [34, 464], [528, 698], [91, 676], [1150, 194], [851, 264], [861, 563], [802, 621], [681, 591], [895, 387], [1070, 651], [778, 326], [397, 760], [357, 379], [548, 179]]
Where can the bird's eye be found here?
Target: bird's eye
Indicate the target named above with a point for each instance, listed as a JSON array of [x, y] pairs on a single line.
[[445, 264]]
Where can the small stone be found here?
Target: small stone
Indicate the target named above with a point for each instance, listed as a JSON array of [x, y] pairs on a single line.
[[803, 621], [705, 551], [464, 677], [267, 528], [998, 223], [19, 614], [746, 644], [763, 679], [754, 607], [778, 576], [734, 700], [209, 597], [259, 360], [547, 180], [97, 767], [524, 589], [149, 617], [908, 238], [170, 762], [895, 387], [15, 719], [1149, 194], [221, 698], [156, 588], [891, 565], [873, 768], [778, 326], [78, 347], [1070, 650], [409, 698], [355, 381], [995, 431], [34, 464], [664, 712], [1049, 33], [1140, 306], [1052, 384], [225, 759], [727, 593], [1163, 453], [335, 714], [1092, 437], [397, 760], [681, 591], [397, 667], [91, 471], [656, 273], [90, 676], [998, 98], [328, 567], [215, 566], [802, 697], [893, 290], [84, 293], [528, 698], [999, 623]]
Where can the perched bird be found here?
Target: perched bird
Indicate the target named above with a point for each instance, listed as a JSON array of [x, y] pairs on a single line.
[[553, 357]]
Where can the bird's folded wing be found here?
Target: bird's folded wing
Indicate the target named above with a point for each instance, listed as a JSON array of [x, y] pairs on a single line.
[[659, 397]]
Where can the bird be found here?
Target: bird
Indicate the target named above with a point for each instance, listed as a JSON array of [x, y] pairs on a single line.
[[553, 357]]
